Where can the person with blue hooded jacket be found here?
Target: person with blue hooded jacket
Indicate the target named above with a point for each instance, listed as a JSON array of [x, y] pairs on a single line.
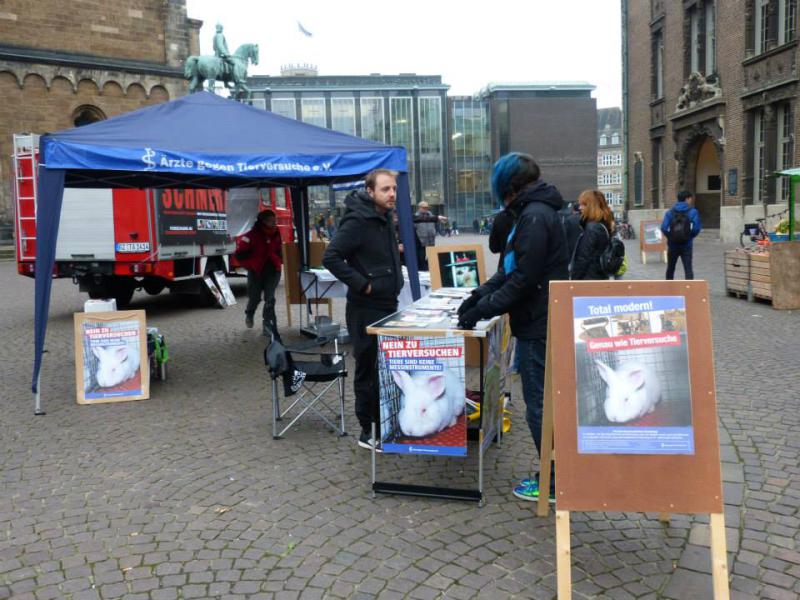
[[535, 254], [681, 225]]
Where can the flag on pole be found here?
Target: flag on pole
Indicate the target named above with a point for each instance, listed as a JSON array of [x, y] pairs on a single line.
[[303, 30]]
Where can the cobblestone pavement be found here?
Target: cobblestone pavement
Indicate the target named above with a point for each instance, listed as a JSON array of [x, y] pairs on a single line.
[[186, 495]]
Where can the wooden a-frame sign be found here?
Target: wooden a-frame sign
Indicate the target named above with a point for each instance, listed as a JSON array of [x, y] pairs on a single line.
[[663, 483], [651, 239]]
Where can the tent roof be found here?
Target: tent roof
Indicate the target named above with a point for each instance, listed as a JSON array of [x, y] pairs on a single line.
[[795, 172], [204, 140]]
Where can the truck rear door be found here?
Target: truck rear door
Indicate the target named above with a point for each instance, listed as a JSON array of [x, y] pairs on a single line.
[[86, 226]]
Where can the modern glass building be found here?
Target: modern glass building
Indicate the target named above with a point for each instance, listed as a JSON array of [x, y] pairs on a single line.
[[470, 161], [407, 109], [451, 142]]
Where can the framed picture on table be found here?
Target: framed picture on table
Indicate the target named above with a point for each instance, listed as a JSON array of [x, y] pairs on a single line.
[[456, 266]]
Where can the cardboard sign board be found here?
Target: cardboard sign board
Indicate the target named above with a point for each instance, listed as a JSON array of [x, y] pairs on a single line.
[[111, 357], [651, 239], [456, 266], [652, 234], [656, 447], [635, 409], [422, 396], [225, 288], [215, 291]]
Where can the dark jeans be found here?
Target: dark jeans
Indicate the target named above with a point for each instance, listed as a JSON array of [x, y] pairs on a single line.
[[532, 355], [685, 254], [259, 285], [365, 352]]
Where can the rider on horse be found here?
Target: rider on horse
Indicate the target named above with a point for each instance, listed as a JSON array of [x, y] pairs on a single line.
[[221, 50]]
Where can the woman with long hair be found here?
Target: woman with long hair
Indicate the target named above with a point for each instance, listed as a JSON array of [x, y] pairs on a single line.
[[597, 222]]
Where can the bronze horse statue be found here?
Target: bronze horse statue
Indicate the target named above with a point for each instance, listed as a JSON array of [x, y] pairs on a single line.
[[201, 68]]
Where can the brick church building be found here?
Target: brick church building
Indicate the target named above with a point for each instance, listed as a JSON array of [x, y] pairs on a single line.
[[709, 100], [67, 64]]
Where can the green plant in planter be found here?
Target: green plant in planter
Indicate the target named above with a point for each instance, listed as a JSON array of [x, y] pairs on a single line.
[[783, 226]]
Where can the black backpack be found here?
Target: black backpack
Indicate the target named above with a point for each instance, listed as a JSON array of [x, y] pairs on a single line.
[[613, 256], [680, 227]]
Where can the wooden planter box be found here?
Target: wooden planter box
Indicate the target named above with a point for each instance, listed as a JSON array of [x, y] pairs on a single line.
[[737, 272], [761, 276], [772, 276]]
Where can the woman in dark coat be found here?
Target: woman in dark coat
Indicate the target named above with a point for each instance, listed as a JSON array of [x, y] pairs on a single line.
[[597, 221]]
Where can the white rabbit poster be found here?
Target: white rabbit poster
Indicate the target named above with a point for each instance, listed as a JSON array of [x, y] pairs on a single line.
[[111, 357], [422, 395], [632, 370]]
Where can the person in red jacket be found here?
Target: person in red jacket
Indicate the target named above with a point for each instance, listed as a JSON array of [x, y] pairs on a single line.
[[259, 251]]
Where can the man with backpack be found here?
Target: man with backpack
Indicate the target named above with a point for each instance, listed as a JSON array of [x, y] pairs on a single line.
[[681, 225]]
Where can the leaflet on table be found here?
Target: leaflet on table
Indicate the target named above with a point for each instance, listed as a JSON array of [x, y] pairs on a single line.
[[632, 368], [422, 395]]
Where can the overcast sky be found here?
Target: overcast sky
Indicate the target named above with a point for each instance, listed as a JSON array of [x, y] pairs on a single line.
[[468, 44]]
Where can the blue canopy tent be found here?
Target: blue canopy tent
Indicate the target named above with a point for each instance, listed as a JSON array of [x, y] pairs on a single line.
[[201, 141]]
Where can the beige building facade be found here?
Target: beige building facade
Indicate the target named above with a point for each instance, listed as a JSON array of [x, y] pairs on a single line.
[[68, 64]]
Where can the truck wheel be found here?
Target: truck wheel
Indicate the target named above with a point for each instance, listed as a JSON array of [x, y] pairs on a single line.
[[123, 293], [153, 286]]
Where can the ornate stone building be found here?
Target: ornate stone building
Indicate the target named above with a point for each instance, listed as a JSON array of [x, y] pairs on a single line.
[[709, 100], [68, 64]]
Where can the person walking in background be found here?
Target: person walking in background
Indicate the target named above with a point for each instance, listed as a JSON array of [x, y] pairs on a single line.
[[597, 222], [425, 223], [259, 251], [330, 226], [364, 255], [422, 258], [535, 254], [681, 225]]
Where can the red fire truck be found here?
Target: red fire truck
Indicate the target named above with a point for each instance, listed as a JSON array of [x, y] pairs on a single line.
[[114, 241]]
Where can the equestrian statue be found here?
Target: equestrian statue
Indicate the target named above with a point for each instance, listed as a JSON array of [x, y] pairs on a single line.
[[223, 66]]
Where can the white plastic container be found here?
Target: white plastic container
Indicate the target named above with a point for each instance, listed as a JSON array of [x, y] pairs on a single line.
[[104, 305]]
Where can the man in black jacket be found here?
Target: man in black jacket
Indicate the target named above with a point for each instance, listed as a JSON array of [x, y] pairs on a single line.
[[535, 254], [364, 255]]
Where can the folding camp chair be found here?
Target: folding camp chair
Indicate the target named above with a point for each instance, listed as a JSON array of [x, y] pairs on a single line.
[[318, 368]]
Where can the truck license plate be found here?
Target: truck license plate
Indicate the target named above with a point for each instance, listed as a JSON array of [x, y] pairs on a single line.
[[133, 247]]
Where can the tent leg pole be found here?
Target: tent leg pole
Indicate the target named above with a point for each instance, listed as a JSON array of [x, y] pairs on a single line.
[[37, 405]]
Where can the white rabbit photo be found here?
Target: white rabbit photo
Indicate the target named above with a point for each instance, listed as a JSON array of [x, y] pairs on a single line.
[[466, 277], [431, 401], [116, 364], [632, 390]]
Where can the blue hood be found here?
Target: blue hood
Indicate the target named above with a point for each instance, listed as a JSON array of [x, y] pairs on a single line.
[[681, 206]]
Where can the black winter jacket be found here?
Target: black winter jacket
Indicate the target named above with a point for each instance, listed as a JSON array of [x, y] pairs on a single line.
[[501, 227], [364, 251], [539, 249], [586, 260]]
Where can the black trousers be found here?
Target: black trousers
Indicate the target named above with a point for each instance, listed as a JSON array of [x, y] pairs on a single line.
[[685, 254], [365, 352], [263, 284]]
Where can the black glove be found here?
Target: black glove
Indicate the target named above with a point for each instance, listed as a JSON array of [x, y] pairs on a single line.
[[470, 302], [469, 318]]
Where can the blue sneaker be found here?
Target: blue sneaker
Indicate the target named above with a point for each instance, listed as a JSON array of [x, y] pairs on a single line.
[[528, 489]]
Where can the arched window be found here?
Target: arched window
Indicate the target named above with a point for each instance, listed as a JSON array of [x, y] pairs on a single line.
[[87, 114]]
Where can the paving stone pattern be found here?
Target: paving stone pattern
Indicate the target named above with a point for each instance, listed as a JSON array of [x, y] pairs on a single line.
[[186, 495]]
